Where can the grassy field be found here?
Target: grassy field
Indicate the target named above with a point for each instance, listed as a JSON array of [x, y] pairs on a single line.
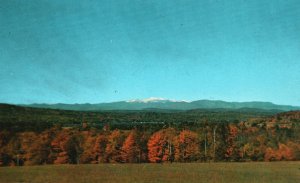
[[192, 172]]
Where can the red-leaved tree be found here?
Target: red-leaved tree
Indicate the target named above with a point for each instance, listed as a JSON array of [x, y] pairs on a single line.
[[113, 147], [160, 146], [130, 150], [187, 147]]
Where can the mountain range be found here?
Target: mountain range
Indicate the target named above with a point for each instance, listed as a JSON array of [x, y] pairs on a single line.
[[166, 104]]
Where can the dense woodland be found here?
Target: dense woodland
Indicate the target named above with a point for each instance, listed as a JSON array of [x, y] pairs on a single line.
[[17, 119], [142, 137]]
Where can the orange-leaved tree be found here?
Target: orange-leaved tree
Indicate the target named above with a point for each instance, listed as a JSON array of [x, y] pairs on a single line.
[[59, 153], [187, 147], [113, 147], [88, 155], [231, 149], [99, 149], [160, 146], [35, 147], [270, 154], [284, 153], [130, 150]]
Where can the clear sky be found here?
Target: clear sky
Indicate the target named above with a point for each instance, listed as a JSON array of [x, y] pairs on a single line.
[[109, 50]]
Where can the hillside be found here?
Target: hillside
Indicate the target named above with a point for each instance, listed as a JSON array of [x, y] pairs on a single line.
[[47, 136], [51, 136], [160, 103], [17, 117]]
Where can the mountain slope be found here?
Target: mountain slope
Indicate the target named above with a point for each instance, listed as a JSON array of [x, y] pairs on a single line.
[[160, 103]]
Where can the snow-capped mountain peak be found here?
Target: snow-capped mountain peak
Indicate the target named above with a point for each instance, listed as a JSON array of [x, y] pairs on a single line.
[[153, 100], [148, 100]]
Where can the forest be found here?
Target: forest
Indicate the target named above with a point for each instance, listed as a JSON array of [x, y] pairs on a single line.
[[150, 137]]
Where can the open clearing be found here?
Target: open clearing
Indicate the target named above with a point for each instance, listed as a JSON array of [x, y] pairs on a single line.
[[176, 172]]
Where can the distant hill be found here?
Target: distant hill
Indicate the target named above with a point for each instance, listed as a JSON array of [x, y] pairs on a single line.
[[165, 104], [20, 118]]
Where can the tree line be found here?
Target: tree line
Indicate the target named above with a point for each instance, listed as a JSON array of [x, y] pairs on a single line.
[[21, 119], [274, 139]]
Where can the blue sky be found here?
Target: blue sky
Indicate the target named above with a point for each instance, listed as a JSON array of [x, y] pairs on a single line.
[[110, 50]]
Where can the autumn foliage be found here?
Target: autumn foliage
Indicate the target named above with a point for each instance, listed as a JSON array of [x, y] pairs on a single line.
[[160, 146], [283, 152], [230, 141], [99, 149], [187, 146], [243, 141], [131, 152], [113, 147]]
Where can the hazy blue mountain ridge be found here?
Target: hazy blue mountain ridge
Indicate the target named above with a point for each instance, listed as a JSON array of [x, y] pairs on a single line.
[[166, 104]]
